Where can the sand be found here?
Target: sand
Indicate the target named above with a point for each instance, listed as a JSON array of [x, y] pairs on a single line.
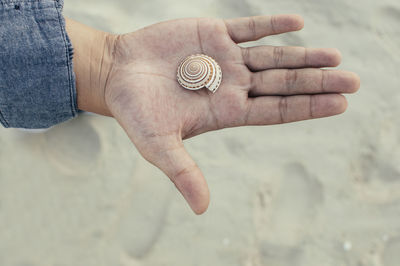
[[316, 193]]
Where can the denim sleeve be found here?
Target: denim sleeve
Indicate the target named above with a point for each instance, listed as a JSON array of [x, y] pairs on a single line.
[[37, 82]]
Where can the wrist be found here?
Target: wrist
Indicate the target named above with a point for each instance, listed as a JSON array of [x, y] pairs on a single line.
[[93, 62]]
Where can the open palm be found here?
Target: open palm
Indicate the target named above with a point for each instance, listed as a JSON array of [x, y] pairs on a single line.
[[261, 86]]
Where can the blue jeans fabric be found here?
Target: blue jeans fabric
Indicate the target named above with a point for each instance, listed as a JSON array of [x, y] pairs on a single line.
[[37, 82]]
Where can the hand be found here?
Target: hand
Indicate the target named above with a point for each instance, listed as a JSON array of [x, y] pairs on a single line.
[[261, 86]]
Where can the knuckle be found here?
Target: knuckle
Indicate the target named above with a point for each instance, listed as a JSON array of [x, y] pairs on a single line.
[[312, 106], [248, 111], [273, 23], [246, 55], [283, 110], [182, 172], [323, 80], [291, 80], [323, 77], [259, 81], [252, 27], [306, 57], [253, 81], [278, 56]]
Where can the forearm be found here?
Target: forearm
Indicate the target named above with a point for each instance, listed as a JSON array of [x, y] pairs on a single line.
[[92, 64]]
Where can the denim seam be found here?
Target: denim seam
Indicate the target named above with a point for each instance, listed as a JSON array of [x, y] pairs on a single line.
[[68, 54]]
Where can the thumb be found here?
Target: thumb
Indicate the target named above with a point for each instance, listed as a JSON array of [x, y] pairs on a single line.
[[173, 159]]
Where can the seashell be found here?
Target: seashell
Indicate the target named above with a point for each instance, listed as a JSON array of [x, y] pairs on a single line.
[[198, 71]]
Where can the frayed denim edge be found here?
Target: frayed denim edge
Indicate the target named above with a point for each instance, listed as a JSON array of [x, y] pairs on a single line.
[[3, 121]]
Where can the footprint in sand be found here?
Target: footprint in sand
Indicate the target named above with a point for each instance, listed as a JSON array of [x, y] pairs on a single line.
[[143, 213], [391, 253], [285, 209], [376, 173], [386, 24], [73, 146]]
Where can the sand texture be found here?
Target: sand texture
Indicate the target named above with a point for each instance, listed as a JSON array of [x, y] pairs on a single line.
[[315, 193]]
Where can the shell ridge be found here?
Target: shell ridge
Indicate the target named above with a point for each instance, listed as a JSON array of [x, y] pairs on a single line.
[[199, 71]]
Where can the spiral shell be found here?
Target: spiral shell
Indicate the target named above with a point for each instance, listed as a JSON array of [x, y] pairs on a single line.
[[198, 71]]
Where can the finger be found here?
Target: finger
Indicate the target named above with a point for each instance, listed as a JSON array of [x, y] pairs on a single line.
[[285, 109], [253, 28], [267, 57], [303, 81], [172, 158]]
